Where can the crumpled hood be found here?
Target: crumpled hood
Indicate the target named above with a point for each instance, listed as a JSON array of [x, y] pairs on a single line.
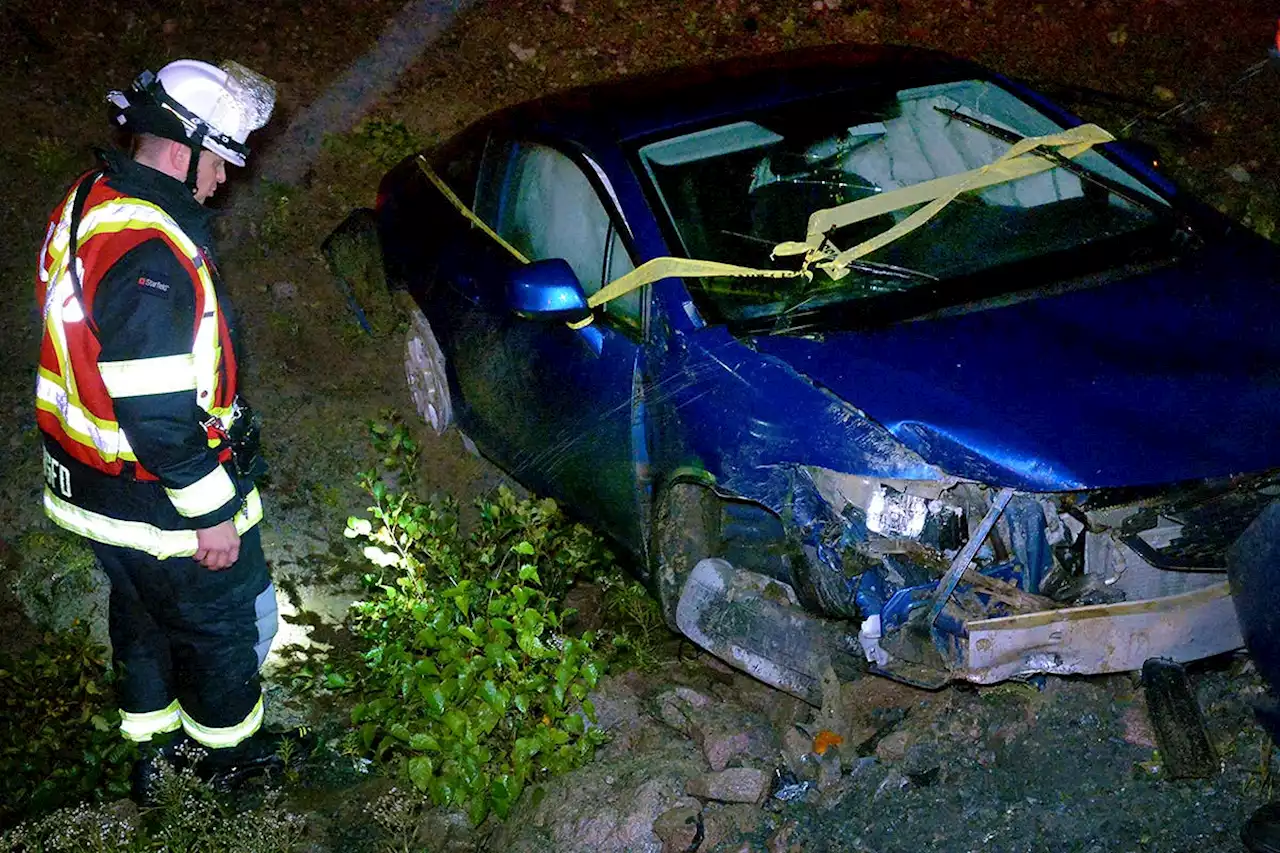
[[1168, 376]]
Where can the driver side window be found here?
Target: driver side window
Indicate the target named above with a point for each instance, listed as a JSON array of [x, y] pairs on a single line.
[[549, 209]]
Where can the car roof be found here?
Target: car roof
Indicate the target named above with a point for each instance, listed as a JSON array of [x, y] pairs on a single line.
[[643, 105]]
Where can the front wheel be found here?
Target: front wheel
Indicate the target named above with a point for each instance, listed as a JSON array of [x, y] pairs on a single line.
[[425, 373], [686, 530]]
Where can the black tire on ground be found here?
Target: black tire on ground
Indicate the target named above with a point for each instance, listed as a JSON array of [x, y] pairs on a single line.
[[1253, 566], [686, 530], [424, 371]]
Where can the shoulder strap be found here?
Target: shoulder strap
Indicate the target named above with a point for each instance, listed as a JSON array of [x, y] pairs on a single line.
[[77, 213]]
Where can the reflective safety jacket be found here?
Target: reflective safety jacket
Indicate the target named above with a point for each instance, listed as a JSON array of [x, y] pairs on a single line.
[[137, 377]]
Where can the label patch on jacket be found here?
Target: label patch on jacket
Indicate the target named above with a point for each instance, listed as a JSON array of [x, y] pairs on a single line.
[[150, 285]]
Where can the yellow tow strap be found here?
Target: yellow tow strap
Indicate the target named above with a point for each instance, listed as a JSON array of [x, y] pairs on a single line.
[[1015, 163]]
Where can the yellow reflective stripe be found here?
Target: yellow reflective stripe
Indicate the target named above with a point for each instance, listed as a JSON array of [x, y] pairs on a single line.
[[161, 544], [142, 376], [204, 495], [142, 727], [104, 436], [227, 736]]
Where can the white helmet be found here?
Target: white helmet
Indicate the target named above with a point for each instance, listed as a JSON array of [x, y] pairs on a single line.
[[198, 103]]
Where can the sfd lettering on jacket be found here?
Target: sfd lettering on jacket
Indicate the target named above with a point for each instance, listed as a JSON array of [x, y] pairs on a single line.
[[57, 475]]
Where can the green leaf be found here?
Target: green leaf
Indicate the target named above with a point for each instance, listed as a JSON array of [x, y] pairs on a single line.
[[423, 742], [433, 696], [589, 708], [478, 810], [530, 573], [368, 732], [455, 721], [400, 732], [493, 697], [523, 547], [426, 667], [421, 772], [444, 789], [573, 724]]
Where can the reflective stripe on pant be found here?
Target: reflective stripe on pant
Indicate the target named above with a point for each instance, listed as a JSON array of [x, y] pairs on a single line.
[[186, 635]]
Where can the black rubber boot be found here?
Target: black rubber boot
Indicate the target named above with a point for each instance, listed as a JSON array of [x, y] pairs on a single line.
[[1261, 833], [262, 754], [1251, 566], [161, 754]]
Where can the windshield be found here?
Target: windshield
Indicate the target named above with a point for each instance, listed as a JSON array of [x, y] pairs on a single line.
[[735, 192]]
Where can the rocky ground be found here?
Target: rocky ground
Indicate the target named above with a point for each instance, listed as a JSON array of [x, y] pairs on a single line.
[[701, 758]]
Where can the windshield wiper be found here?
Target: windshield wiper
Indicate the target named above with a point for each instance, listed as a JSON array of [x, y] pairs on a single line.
[[1135, 198]]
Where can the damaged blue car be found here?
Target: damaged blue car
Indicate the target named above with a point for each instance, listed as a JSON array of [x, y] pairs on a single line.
[[871, 357]]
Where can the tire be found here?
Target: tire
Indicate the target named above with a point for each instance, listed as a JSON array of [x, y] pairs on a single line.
[[1251, 568], [686, 530], [425, 374]]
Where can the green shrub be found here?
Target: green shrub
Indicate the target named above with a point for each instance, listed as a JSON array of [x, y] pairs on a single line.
[[466, 682], [60, 740]]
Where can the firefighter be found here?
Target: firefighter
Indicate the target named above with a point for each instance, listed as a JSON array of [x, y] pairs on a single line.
[[149, 452]]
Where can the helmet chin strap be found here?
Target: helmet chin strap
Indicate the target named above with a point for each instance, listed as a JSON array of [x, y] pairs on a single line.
[[196, 143]]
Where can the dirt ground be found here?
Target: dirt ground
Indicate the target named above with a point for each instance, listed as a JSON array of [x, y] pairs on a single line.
[[1063, 771]]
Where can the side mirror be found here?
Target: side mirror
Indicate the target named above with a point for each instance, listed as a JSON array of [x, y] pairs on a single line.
[[547, 290]]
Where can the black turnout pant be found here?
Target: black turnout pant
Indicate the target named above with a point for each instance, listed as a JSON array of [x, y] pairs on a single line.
[[180, 631]]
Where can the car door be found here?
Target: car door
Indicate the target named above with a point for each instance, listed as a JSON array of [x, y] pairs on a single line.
[[555, 406]]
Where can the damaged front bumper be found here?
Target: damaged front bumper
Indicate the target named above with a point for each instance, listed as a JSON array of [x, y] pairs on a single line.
[[950, 580], [1073, 583]]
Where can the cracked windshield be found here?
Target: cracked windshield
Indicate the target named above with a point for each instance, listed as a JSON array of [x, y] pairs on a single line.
[[737, 191]]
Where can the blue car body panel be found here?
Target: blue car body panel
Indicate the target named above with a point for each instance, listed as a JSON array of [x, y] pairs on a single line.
[[1167, 376]]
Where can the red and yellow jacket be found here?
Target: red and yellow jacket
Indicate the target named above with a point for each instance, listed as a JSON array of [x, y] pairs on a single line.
[[136, 368]]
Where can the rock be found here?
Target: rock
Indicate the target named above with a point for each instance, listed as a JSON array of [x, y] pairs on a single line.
[[446, 831], [524, 54], [284, 290], [892, 783], [893, 747], [678, 826], [725, 823], [922, 764], [1137, 727], [1239, 174], [567, 6], [829, 771], [692, 697], [797, 754], [674, 711], [734, 785], [780, 841], [720, 746], [609, 806], [727, 732]]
